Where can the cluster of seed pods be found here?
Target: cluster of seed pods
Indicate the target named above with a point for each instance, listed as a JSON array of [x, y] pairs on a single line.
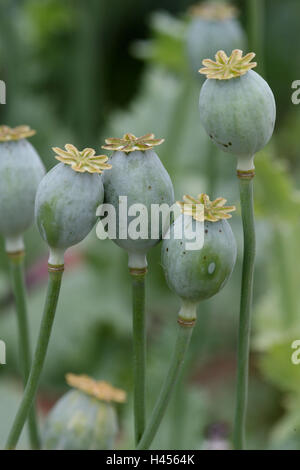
[[237, 109]]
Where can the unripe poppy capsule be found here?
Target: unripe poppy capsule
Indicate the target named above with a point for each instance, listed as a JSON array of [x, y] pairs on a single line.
[[84, 418], [68, 197], [237, 106], [200, 273], [21, 171], [138, 175]]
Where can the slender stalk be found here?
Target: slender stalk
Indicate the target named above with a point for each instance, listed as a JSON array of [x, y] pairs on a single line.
[[16, 261], [139, 350], [183, 339], [246, 195], [255, 29], [285, 284], [54, 283], [211, 169], [175, 128]]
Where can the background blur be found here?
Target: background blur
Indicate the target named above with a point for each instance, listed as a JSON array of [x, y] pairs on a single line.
[[80, 71]]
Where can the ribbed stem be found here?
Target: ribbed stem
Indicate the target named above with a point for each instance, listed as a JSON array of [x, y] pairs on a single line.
[[54, 283], [183, 339], [139, 350], [16, 261], [246, 195]]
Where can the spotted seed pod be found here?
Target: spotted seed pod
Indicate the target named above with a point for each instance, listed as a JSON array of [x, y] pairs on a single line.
[[138, 174], [84, 418], [21, 171], [198, 274], [237, 106], [213, 26], [68, 197]]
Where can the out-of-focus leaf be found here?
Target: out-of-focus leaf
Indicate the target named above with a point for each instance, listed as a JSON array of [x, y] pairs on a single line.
[[286, 434], [166, 48], [275, 194], [276, 365]]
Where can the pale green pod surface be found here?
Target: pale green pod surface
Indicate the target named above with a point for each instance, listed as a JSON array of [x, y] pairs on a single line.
[[195, 275], [21, 171], [238, 114], [206, 37], [66, 204], [141, 177], [80, 422]]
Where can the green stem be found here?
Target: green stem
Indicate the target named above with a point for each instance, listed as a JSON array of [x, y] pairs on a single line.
[[177, 121], [255, 27], [246, 195], [182, 343], [17, 276], [54, 283], [285, 284], [139, 351], [211, 169]]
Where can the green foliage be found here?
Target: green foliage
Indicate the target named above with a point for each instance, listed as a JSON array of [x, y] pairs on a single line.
[[166, 47], [275, 194]]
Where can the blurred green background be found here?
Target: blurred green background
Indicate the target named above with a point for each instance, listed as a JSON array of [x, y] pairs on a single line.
[[79, 71]]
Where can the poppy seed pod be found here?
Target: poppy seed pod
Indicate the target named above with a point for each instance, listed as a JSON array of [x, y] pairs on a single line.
[[198, 274], [213, 26], [237, 106], [68, 197], [84, 418], [138, 174], [21, 170]]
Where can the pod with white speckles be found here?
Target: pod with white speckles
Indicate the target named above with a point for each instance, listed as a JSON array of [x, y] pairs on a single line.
[[198, 256], [198, 274]]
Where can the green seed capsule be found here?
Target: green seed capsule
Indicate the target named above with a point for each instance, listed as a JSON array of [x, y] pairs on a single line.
[[68, 197], [83, 419], [21, 170], [237, 106], [138, 174], [213, 27], [198, 274]]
